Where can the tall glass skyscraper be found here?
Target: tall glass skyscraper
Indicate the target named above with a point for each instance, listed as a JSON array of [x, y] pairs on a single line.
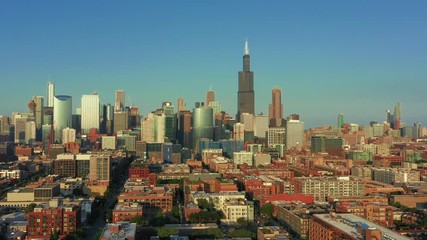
[[50, 94], [203, 126], [61, 115]]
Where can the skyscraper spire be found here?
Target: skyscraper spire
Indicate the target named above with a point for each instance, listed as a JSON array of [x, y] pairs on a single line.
[[246, 47]]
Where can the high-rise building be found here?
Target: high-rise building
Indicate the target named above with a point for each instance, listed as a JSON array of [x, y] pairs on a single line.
[[50, 94], [203, 126], [61, 115], [134, 118], [100, 167], [246, 94], [169, 113], [294, 134], [120, 121], [68, 135], [38, 115], [30, 132], [153, 127], [276, 135], [239, 131], [90, 112], [181, 104], [260, 125], [210, 96], [119, 104], [184, 131], [276, 108], [397, 114], [340, 120]]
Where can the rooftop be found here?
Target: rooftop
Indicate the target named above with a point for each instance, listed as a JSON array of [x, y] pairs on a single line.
[[349, 223], [120, 230]]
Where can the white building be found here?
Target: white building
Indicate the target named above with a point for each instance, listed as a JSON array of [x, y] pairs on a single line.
[[239, 131], [243, 158], [260, 125], [89, 112], [68, 135], [50, 94], [153, 128], [294, 134]]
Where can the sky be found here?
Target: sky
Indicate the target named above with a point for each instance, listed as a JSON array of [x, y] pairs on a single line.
[[358, 58]]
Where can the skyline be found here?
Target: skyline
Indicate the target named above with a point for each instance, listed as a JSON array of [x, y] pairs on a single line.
[[368, 56]]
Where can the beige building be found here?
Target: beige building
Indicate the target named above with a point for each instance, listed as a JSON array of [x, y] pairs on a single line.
[[392, 175], [99, 167], [362, 172]]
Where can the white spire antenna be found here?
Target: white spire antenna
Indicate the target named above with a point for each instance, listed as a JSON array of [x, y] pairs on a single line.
[[246, 47]]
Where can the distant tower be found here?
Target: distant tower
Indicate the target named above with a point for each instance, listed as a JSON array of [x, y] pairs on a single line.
[[388, 116], [397, 115], [38, 115], [181, 104], [276, 108], [246, 94], [119, 104], [50, 94], [210, 96], [90, 112], [340, 120], [61, 115]]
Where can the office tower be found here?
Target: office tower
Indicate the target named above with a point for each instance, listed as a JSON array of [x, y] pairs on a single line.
[[184, 132], [119, 104], [276, 108], [276, 135], [61, 115], [202, 124], [210, 96], [120, 121], [216, 106], [46, 130], [246, 94], [294, 134], [30, 132], [340, 120], [388, 116], [68, 135], [181, 104], [397, 113], [239, 131], [260, 126], [169, 113], [19, 121], [50, 94], [38, 115], [248, 120], [99, 167], [90, 112], [153, 127], [47, 115], [134, 118]]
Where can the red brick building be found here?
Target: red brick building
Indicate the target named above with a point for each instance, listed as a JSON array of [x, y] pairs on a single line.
[[152, 199], [45, 220], [376, 212], [125, 212]]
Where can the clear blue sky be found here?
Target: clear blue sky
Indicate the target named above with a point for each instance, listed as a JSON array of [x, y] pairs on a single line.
[[354, 57]]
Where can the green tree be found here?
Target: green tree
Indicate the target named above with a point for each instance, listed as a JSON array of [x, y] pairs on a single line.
[[203, 203], [241, 233], [30, 207], [166, 232], [137, 219], [175, 211], [267, 210]]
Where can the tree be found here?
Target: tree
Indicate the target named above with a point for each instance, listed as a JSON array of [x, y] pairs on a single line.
[[241, 233], [267, 210], [242, 221], [30, 207], [137, 219], [175, 211], [203, 203], [166, 232]]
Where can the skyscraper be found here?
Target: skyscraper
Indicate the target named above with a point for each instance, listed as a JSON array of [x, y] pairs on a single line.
[[276, 108], [397, 113], [90, 112], [340, 120], [50, 94], [119, 105], [61, 115], [203, 126], [210, 96], [246, 94], [294, 134]]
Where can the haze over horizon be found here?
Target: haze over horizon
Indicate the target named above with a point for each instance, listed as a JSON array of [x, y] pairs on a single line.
[[356, 58]]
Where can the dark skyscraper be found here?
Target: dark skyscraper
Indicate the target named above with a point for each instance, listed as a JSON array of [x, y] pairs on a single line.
[[246, 94]]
